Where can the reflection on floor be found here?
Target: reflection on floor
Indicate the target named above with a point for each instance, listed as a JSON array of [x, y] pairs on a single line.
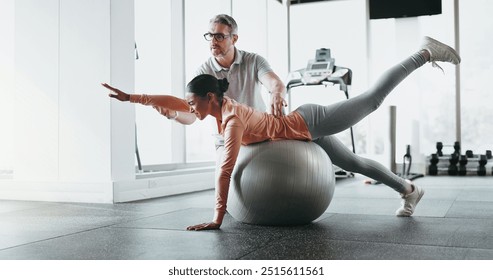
[[454, 220]]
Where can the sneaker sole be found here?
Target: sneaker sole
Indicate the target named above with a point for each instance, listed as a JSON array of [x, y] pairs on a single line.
[[438, 43]]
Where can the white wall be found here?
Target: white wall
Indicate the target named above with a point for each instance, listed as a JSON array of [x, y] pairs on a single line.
[[6, 85], [36, 92], [251, 17], [70, 138], [426, 99], [84, 114], [277, 38]]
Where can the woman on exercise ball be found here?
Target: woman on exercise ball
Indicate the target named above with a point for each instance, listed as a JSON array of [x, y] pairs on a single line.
[[242, 125]]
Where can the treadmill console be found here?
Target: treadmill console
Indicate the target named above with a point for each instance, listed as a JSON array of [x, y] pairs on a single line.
[[320, 68]]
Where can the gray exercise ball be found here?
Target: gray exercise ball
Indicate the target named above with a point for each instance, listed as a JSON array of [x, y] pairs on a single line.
[[281, 183]]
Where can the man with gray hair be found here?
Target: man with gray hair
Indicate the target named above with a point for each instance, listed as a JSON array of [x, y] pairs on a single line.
[[246, 72]]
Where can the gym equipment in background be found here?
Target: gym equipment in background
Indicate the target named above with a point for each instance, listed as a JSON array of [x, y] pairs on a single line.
[[457, 163], [444, 164], [406, 162], [281, 183]]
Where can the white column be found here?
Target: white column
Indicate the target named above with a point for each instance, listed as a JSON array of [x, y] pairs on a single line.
[[36, 117], [84, 131], [122, 73], [178, 74]]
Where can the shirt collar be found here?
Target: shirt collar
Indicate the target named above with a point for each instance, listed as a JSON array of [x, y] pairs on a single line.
[[219, 68]]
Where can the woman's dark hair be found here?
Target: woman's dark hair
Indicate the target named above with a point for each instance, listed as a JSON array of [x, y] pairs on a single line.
[[205, 83]]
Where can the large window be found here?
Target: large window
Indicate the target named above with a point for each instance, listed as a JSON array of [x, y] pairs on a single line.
[[425, 101], [476, 72], [153, 76], [199, 136], [341, 27]]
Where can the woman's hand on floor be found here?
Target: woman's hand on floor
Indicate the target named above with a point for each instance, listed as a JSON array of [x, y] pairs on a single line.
[[204, 226]]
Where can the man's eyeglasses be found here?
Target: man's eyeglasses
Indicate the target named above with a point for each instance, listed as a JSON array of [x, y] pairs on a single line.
[[218, 36]]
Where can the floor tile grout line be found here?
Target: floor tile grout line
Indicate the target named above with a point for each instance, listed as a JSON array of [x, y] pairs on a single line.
[[52, 238], [84, 231], [452, 204], [28, 209]]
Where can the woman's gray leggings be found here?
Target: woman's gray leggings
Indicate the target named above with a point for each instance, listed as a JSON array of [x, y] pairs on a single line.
[[324, 121]]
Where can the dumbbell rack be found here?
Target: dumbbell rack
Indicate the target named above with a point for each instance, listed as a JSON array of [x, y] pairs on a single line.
[[457, 164]]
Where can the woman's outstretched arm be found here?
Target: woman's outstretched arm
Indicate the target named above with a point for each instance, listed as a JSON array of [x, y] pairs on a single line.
[[166, 105]]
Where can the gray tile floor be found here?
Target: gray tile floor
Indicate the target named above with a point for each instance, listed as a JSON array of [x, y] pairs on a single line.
[[453, 221]]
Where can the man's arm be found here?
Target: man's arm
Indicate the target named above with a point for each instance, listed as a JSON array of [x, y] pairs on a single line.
[[277, 90], [180, 113], [180, 117]]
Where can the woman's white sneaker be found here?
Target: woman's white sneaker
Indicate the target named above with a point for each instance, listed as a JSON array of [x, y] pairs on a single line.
[[409, 202], [440, 51]]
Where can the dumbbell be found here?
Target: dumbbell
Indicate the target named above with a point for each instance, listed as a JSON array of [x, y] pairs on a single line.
[[452, 168], [433, 168], [481, 161], [440, 148], [457, 147], [482, 165], [462, 165]]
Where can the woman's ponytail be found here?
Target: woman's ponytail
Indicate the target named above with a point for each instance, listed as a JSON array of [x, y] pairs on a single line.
[[223, 85]]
